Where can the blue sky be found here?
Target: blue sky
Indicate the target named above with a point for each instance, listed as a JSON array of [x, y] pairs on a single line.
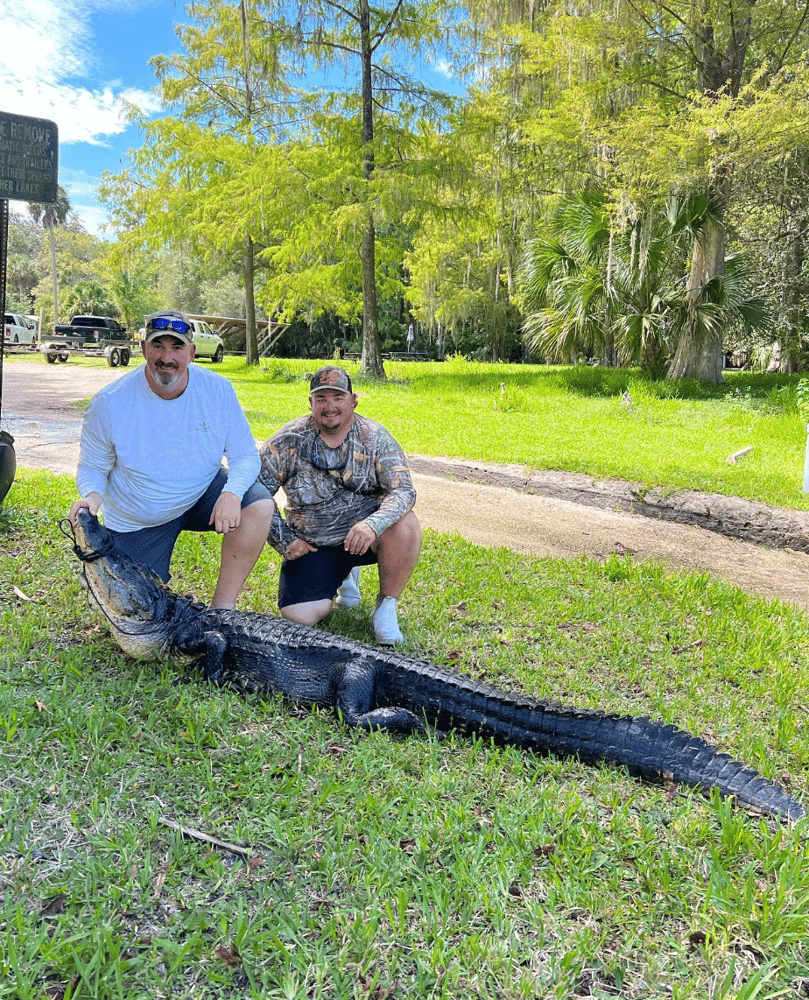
[[78, 63]]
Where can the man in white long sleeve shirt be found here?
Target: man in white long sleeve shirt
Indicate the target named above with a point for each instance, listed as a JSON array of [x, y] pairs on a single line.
[[152, 445]]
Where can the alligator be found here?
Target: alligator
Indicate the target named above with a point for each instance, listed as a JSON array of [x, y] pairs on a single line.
[[378, 688]]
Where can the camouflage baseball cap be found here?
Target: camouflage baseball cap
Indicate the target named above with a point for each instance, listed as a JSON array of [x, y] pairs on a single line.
[[330, 377]]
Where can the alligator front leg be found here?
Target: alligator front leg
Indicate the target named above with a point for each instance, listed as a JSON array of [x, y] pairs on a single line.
[[211, 657], [355, 696]]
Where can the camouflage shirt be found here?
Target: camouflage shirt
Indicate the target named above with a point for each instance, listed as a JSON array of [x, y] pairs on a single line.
[[329, 490]]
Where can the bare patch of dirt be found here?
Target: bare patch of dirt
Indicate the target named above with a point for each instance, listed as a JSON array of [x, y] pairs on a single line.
[[760, 549], [777, 527]]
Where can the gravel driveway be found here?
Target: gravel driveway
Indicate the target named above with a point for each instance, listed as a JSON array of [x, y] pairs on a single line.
[[38, 410]]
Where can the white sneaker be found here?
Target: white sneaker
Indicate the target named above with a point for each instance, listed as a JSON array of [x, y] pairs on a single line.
[[348, 593], [385, 622]]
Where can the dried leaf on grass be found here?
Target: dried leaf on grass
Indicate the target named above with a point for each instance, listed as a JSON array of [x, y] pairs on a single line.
[[230, 956], [55, 905], [382, 992]]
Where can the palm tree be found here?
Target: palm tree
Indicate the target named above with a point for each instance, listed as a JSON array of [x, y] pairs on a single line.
[[22, 277], [131, 291], [566, 302], [89, 297], [616, 288], [569, 284], [50, 215]]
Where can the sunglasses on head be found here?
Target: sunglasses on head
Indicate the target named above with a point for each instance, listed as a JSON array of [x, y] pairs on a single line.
[[164, 323]]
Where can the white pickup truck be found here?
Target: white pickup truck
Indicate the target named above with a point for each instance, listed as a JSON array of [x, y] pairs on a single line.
[[19, 330], [209, 343]]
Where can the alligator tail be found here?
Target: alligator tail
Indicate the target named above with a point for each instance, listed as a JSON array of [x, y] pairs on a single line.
[[652, 750]]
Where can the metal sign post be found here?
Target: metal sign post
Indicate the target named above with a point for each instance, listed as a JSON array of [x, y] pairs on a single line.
[[3, 259], [29, 169]]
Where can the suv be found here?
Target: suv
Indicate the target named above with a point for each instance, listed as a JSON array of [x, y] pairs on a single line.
[[209, 343], [19, 330]]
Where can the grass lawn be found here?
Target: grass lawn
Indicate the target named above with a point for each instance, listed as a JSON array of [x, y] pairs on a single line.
[[374, 867], [377, 867], [675, 435]]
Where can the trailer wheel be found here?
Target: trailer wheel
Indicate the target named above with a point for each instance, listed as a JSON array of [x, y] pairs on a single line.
[[124, 357], [50, 357], [64, 356], [114, 358]]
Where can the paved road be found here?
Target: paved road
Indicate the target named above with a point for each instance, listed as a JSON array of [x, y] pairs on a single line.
[[39, 412]]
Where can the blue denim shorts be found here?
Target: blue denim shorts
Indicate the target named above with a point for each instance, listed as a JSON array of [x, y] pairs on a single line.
[[154, 546]]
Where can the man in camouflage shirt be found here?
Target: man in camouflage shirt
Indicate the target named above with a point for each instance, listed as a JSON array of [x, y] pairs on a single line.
[[350, 503]]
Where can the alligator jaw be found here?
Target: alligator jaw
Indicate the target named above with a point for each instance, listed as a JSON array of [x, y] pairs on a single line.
[[127, 594]]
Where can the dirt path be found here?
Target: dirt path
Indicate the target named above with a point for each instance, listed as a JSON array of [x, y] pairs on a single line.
[[39, 413]]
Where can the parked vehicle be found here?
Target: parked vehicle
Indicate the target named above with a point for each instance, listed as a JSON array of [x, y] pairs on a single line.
[[209, 343], [92, 329], [92, 337], [19, 329]]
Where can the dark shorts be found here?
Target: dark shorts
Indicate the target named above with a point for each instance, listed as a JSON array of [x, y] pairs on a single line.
[[154, 546], [317, 575]]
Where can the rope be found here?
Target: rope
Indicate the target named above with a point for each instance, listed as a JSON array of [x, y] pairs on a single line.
[[107, 549]]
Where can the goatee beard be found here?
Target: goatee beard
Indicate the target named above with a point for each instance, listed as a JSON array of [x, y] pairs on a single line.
[[167, 378]]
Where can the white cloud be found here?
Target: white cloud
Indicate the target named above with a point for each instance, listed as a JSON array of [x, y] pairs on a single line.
[[79, 185], [94, 219], [81, 115], [92, 216], [444, 68], [81, 189], [48, 51], [51, 68]]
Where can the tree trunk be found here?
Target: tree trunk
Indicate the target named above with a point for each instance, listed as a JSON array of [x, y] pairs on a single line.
[[248, 272], [55, 277], [248, 262], [700, 355], [782, 359], [497, 333], [718, 69], [792, 302], [608, 358], [653, 354], [371, 363]]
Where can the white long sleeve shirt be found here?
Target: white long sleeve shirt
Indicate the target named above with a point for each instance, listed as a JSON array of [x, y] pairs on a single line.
[[151, 459]]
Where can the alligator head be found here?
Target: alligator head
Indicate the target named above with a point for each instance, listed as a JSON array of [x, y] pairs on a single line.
[[128, 594]]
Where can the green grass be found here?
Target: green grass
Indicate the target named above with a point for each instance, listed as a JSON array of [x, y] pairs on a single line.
[[575, 419], [675, 435], [409, 867]]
